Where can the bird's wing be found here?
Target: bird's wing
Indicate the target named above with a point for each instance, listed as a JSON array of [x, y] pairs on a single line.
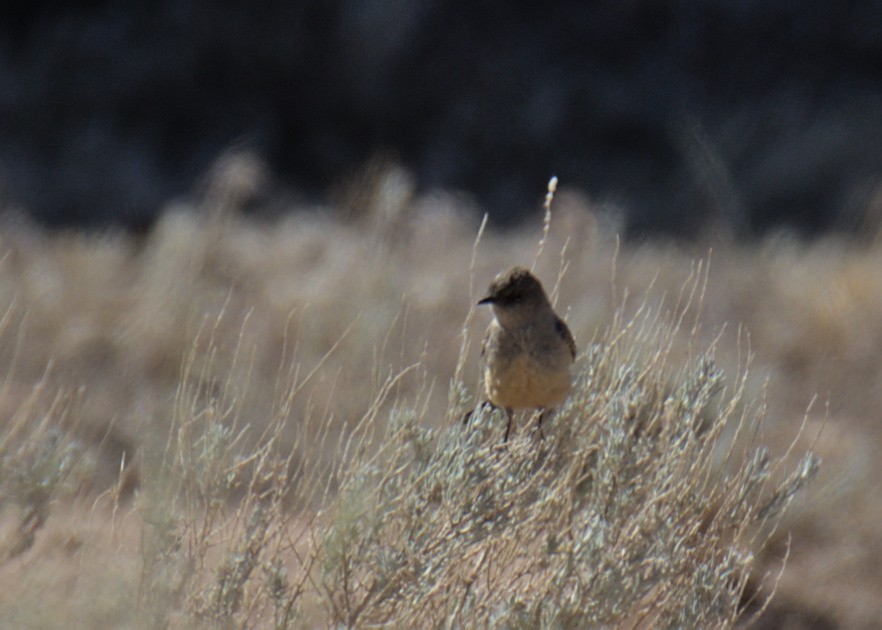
[[563, 330]]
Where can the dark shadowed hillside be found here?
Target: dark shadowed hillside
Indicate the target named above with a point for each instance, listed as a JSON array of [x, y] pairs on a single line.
[[678, 114]]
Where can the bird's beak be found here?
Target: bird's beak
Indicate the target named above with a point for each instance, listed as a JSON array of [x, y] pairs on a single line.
[[486, 300]]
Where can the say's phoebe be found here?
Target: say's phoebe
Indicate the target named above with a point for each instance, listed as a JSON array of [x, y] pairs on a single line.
[[527, 350]]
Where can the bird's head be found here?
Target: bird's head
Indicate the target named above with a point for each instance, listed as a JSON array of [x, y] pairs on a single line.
[[514, 294]]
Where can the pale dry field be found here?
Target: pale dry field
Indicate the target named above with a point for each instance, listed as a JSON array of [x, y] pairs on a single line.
[[233, 421]]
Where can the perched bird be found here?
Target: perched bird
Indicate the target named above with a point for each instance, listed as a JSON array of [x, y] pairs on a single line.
[[528, 350]]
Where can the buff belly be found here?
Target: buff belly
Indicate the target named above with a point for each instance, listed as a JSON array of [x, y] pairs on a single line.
[[526, 384]]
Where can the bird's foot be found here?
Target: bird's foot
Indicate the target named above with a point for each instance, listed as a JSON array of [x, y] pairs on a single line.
[[484, 405]]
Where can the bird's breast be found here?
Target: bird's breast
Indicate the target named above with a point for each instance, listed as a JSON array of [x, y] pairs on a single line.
[[523, 381]]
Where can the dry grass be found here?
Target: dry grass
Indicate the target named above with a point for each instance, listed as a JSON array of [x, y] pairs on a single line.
[[234, 422]]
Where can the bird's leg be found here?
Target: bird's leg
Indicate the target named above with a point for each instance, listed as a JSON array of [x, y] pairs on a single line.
[[539, 424], [468, 415], [509, 413]]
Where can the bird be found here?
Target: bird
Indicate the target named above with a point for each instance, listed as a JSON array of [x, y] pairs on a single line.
[[528, 350]]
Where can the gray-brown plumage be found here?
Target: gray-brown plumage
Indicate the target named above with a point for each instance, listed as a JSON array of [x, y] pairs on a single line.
[[528, 350]]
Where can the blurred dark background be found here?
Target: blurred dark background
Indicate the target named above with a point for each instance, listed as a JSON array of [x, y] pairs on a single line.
[[681, 114]]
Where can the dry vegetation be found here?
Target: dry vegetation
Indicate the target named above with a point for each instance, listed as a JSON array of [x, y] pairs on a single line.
[[255, 424]]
